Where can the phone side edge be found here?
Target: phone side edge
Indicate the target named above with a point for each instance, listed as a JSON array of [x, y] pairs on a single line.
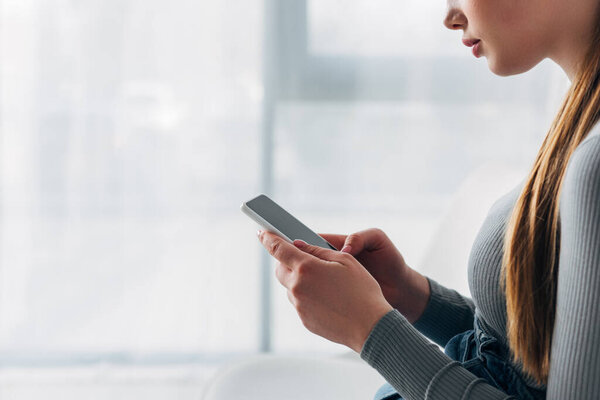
[[263, 222]]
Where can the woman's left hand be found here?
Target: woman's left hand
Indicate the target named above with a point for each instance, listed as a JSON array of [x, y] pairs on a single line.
[[334, 295]]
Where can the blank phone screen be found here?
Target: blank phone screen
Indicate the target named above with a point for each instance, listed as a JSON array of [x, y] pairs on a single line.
[[285, 222]]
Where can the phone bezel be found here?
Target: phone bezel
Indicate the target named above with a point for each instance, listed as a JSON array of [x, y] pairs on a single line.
[[269, 227]]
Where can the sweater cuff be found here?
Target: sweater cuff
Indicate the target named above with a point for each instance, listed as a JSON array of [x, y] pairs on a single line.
[[417, 368], [447, 313], [427, 322], [390, 348]]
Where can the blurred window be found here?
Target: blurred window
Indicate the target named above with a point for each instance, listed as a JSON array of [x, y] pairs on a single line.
[[130, 132], [129, 136]]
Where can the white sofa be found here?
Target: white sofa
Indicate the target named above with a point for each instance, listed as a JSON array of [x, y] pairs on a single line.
[[271, 377]]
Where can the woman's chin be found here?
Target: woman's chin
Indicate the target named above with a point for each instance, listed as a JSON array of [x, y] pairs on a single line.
[[497, 67], [501, 68]]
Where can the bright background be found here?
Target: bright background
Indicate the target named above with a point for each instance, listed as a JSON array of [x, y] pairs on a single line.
[[132, 130]]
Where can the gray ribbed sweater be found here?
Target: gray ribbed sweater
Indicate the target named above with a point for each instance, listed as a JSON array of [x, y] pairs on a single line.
[[418, 369]]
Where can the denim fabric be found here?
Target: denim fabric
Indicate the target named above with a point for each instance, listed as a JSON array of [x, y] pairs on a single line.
[[484, 357]]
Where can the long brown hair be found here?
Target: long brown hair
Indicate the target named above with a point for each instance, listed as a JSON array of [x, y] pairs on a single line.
[[532, 241]]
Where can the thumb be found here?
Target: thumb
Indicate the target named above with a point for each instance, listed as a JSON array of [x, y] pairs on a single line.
[[354, 244], [319, 252]]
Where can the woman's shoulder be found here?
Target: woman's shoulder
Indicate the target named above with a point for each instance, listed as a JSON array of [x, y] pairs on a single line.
[[582, 177], [586, 157], [592, 136]]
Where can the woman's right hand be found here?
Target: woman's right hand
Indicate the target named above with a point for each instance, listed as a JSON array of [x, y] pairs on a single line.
[[404, 288]]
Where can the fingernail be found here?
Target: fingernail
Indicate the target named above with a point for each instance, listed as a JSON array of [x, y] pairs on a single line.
[[258, 233], [300, 243], [346, 249]]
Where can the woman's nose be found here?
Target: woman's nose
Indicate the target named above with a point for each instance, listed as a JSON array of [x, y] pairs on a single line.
[[455, 19]]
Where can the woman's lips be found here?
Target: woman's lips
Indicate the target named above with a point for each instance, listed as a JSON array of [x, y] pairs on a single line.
[[474, 43]]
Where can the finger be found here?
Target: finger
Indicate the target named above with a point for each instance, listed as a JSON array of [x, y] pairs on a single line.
[[336, 240], [284, 252], [319, 252], [291, 298], [283, 275], [369, 239]]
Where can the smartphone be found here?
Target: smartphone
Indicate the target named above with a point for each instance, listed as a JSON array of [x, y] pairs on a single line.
[[273, 218]]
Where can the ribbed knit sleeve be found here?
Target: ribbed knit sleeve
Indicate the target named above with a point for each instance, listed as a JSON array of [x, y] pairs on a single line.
[[447, 314], [575, 359], [417, 368]]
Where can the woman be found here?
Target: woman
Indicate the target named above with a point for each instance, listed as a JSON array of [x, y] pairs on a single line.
[[532, 330]]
